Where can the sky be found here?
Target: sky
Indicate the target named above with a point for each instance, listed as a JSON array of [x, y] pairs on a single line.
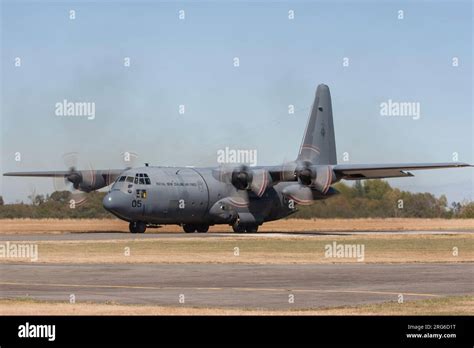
[[191, 62]]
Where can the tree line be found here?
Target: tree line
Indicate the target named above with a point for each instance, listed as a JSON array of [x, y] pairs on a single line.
[[364, 199], [57, 205], [377, 199]]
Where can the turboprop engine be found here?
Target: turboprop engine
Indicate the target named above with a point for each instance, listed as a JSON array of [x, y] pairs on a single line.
[[314, 183]]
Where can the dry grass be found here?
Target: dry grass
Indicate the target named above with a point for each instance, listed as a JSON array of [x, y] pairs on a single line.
[[260, 248], [454, 305], [263, 249], [290, 225], [352, 225], [19, 226]]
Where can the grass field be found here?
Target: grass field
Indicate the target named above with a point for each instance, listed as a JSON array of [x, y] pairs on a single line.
[[288, 225], [258, 249], [454, 305]]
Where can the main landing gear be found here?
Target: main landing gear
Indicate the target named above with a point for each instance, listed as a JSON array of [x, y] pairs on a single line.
[[241, 228], [190, 228], [137, 227]]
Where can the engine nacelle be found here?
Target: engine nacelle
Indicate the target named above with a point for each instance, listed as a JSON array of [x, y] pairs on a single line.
[[245, 178], [319, 177], [87, 181], [241, 178]]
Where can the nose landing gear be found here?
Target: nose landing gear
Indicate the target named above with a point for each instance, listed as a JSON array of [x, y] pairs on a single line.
[[137, 227]]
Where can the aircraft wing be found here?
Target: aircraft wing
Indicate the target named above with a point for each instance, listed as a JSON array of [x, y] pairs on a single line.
[[396, 170], [50, 174], [111, 173], [84, 180]]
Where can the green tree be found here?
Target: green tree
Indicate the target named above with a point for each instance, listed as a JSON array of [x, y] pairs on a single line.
[[467, 211], [359, 188], [376, 189]]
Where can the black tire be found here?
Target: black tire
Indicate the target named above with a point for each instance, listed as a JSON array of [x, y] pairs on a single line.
[[189, 228], [137, 227], [238, 228], [203, 228], [251, 229]]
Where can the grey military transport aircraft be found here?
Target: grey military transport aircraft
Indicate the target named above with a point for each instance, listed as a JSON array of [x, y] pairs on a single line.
[[241, 196]]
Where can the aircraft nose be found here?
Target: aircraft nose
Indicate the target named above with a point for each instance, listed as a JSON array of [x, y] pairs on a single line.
[[113, 201]]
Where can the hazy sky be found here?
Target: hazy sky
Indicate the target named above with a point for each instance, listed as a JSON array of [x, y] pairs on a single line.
[[190, 62]]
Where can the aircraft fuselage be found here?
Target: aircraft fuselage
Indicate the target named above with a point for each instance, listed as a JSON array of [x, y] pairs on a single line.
[[184, 195]]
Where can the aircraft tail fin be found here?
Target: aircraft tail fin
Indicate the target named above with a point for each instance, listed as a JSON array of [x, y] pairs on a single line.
[[319, 144]]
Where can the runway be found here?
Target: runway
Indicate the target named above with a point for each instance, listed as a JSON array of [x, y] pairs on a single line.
[[82, 236], [236, 285]]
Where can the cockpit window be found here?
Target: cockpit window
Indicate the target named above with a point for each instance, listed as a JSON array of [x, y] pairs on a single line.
[[119, 183], [129, 178], [142, 179]]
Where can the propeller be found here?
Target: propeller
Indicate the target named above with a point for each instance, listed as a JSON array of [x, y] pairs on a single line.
[[242, 179], [300, 194], [288, 171], [238, 199], [74, 179], [318, 177], [314, 182], [261, 179]]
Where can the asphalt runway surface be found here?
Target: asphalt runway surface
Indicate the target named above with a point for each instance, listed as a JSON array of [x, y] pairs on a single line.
[[231, 285], [82, 236], [236, 285]]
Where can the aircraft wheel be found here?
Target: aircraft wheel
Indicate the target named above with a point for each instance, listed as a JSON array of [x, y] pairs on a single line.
[[238, 228], [251, 228], [203, 228], [137, 227], [189, 228]]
